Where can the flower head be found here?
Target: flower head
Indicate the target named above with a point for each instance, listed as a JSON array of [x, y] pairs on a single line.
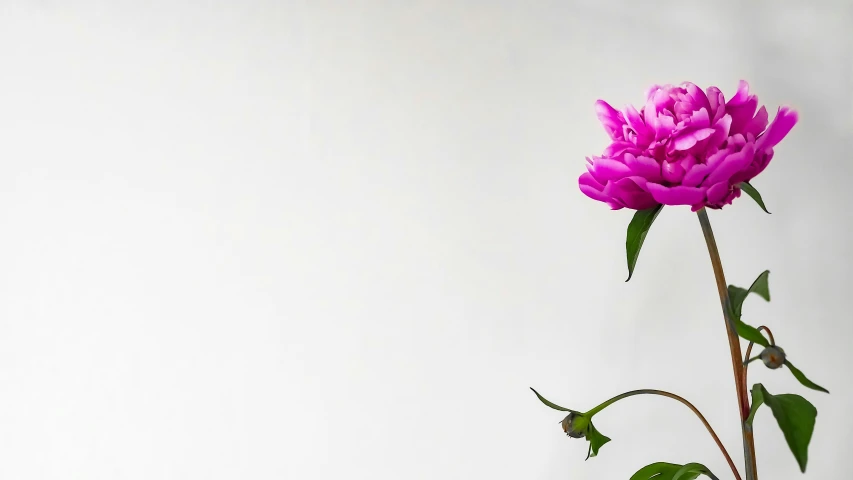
[[683, 147]]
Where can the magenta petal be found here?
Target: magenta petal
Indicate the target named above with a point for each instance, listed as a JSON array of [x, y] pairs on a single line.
[[672, 172], [717, 158], [688, 140], [700, 119], [643, 166], [610, 118], [697, 95], [591, 188], [679, 195], [651, 91], [630, 194], [757, 125], [664, 127], [695, 175], [718, 192], [619, 147], [742, 114], [741, 96], [782, 124], [721, 131], [717, 102], [605, 169], [731, 165]]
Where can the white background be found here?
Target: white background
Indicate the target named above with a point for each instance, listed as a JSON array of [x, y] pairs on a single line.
[[313, 240]]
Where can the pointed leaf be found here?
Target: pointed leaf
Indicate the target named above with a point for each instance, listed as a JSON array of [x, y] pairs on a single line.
[[750, 333], [637, 230], [596, 441], [655, 471], [551, 404], [802, 378], [737, 295], [757, 401], [752, 192], [671, 471], [796, 418], [691, 471]]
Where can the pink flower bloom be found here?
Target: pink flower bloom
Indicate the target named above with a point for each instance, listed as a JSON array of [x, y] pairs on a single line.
[[684, 147]]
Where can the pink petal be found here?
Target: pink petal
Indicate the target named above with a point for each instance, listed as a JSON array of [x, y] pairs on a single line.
[[742, 114], [610, 118], [632, 116], [688, 162], [619, 147], [695, 175], [651, 91], [688, 140], [644, 167], [782, 124], [717, 102], [672, 172], [605, 169], [630, 194], [697, 95], [718, 192], [679, 195], [731, 165], [721, 131], [757, 125], [741, 96], [664, 127], [591, 188], [700, 119]]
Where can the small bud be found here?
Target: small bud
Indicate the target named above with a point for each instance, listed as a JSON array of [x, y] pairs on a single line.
[[575, 425], [773, 357]]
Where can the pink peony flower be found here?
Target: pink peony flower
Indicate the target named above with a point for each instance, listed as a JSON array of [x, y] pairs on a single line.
[[684, 147]]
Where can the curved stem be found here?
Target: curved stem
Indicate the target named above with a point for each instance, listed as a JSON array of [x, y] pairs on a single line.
[[734, 346], [680, 399], [769, 335]]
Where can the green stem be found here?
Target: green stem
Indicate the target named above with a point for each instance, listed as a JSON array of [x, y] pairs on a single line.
[[673, 396], [751, 360], [734, 346]]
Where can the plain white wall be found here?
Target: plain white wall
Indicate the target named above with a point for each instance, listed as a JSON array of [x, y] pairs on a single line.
[[314, 240]]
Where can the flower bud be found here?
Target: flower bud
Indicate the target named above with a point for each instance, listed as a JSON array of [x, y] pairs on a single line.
[[575, 425], [773, 357]]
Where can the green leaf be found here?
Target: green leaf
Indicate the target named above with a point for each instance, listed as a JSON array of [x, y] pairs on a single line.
[[637, 230], [802, 378], [656, 471], [737, 295], [750, 333], [551, 404], [795, 416], [752, 192], [596, 441], [757, 401], [671, 471], [691, 471]]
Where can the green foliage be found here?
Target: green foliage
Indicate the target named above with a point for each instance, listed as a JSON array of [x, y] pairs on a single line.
[[637, 230], [737, 295], [596, 440], [802, 378], [671, 471], [550, 404], [582, 425], [752, 192], [795, 416]]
